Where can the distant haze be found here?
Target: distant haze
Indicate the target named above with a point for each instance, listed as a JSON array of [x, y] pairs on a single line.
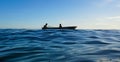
[[86, 14]]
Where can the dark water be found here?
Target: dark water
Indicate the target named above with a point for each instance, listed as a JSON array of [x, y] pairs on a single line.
[[20, 45]]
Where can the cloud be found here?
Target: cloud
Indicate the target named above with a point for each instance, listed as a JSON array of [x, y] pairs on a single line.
[[118, 5], [104, 3], [111, 18], [110, 1], [106, 22]]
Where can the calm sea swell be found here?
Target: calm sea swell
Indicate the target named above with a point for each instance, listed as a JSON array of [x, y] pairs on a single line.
[[20, 45]]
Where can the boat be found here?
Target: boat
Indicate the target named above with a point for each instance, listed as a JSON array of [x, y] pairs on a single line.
[[60, 27], [67, 27]]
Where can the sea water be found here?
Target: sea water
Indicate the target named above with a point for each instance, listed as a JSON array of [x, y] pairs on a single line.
[[22, 45]]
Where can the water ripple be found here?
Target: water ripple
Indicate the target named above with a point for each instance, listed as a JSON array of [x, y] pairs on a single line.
[[21, 45]]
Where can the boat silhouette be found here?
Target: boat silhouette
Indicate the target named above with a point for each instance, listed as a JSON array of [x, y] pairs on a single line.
[[60, 27]]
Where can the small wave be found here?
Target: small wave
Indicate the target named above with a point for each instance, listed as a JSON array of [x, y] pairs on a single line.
[[94, 37], [69, 43], [58, 45], [85, 60], [103, 52], [94, 42]]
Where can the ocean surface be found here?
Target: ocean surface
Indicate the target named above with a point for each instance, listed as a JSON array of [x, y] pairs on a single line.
[[22, 45]]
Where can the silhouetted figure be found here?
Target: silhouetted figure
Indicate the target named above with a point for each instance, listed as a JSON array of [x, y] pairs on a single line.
[[45, 26], [60, 26]]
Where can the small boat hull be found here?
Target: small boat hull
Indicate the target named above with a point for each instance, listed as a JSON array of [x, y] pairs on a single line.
[[70, 27]]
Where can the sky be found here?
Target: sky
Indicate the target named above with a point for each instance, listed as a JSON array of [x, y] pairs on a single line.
[[86, 14]]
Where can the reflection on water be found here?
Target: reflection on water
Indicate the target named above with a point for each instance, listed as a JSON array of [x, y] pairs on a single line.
[[20, 45]]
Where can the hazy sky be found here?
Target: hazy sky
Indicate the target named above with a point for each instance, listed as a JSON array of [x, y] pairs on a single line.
[[86, 14]]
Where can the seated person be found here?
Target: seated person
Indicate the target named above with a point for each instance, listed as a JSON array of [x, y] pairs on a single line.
[[60, 26], [45, 26]]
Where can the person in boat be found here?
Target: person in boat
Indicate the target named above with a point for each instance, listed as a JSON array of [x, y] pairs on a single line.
[[45, 26], [60, 26]]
